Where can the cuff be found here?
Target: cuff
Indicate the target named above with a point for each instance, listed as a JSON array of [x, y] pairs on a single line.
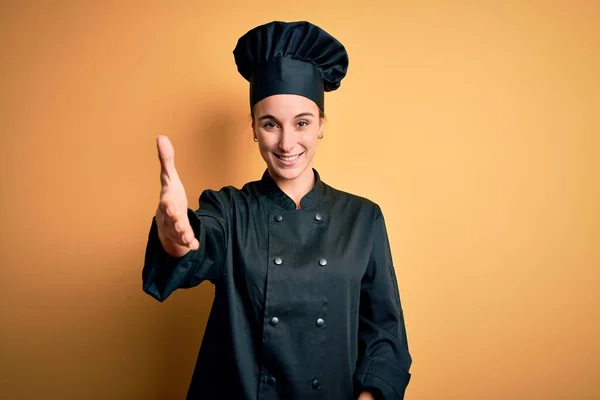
[[385, 379]]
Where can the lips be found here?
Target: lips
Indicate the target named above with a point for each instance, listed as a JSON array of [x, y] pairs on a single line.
[[287, 161], [288, 158]]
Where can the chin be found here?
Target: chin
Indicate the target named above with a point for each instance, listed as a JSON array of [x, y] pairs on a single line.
[[289, 173]]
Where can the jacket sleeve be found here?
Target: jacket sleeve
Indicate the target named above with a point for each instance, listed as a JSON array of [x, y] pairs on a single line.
[[162, 274], [384, 359]]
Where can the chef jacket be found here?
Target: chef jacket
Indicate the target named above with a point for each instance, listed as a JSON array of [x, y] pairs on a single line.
[[306, 303]]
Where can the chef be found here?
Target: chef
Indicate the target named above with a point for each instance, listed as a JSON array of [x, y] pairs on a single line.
[[306, 299]]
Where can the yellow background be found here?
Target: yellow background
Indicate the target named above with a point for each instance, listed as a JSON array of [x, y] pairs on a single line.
[[475, 125]]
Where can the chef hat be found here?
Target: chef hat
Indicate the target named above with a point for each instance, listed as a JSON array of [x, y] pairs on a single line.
[[290, 58]]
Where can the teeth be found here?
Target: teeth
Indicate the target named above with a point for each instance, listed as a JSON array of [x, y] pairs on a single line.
[[292, 158]]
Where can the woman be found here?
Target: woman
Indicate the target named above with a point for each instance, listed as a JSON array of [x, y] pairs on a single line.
[[306, 304]]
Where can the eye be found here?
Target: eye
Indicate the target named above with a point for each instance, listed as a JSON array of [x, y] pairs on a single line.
[[303, 123], [269, 125]]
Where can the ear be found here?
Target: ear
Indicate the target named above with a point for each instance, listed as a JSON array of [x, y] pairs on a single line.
[[321, 127]]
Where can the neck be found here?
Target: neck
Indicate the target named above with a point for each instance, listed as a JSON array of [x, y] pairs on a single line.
[[297, 188]]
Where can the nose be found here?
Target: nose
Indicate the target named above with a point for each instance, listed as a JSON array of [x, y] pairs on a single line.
[[287, 141]]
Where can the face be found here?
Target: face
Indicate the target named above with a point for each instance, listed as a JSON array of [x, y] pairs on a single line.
[[288, 128]]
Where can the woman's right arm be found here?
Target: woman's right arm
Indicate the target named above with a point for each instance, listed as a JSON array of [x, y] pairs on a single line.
[[184, 247]]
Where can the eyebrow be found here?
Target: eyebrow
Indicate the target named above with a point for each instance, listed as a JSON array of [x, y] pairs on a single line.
[[269, 116]]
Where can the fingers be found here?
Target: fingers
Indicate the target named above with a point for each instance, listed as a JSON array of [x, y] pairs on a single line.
[[173, 223], [176, 227], [195, 245], [166, 156]]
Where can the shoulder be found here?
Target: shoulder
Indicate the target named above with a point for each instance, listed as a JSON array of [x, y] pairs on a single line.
[[228, 196], [353, 203], [224, 194]]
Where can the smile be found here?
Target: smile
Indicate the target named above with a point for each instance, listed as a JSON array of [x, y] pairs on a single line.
[[288, 158]]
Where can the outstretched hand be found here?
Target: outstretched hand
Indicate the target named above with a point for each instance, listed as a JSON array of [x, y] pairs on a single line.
[[174, 229]]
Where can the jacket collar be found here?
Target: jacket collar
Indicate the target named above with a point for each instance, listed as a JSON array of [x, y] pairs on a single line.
[[310, 200]]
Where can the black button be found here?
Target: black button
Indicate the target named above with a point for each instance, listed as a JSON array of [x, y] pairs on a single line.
[[316, 384], [278, 260], [322, 262], [318, 217], [278, 218], [274, 321], [271, 381], [320, 322]]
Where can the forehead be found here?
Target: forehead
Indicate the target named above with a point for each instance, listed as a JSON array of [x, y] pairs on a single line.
[[286, 105]]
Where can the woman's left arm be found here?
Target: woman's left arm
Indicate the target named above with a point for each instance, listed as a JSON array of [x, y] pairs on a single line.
[[384, 360]]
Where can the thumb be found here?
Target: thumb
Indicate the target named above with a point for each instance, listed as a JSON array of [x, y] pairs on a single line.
[[166, 155]]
